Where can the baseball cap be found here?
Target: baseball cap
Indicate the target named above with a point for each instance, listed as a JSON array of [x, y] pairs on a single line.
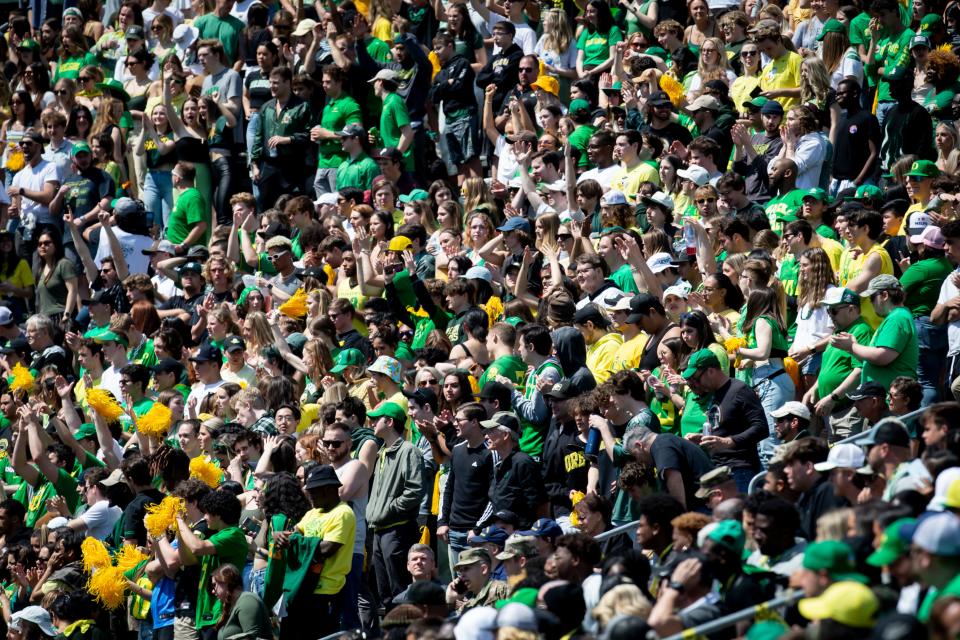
[[168, 365], [930, 22], [477, 272], [208, 353], [766, 630], [772, 108], [389, 410], [423, 396], [348, 358], [590, 313], [705, 102], [514, 223], [321, 476], [816, 193], [792, 408], [893, 544], [729, 533], [192, 267], [659, 199], [951, 499], [764, 28], [830, 26], [385, 74], [679, 290], [492, 534], [399, 243], [700, 360], [868, 390], [304, 27], [659, 98], [888, 431], [613, 197], [883, 282], [840, 295], [353, 130], [515, 615], [847, 602], [931, 236], [563, 390], [388, 153], [713, 478], [414, 195], [923, 169], [504, 420], [939, 535], [134, 32], [472, 556], [78, 148], [920, 41], [507, 516], [659, 262], [100, 297], [38, 616], [109, 336], [6, 316], [695, 173], [17, 345], [160, 246], [842, 456], [547, 83], [867, 191], [579, 105], [115, 478], [85, 431], [834, 557], [543, 528], [619, 303], [234, 343], [425, 592], [517, 545]]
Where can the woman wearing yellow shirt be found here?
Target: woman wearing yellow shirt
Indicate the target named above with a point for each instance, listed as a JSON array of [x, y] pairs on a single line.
[[16, 278], [865, 258]]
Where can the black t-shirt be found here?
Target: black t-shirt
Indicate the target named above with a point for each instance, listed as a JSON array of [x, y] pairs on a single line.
[[739, 415], [672, 132], [87, 189], [133, 528], [852, 149], [564, 467], [465, 493], [672, 452], [258, 88], [423, 21], [188, 581]]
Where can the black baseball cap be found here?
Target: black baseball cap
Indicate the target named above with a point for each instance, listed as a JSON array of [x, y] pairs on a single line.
[[868, 390], [17, 345], [424, 397], [640, 306], [563, 390], [275, 229], [208, 353], [659, 99], [168, 365], [321, 476], [888, 431], [234, 343], [100, 297]]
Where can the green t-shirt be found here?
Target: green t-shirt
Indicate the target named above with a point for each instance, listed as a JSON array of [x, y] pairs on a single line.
[[784, 208], [70, 67], [837, 364], [358, 173], [509, 366], [921, 282], [896, 332], [191, 209], [231, 548], [596, 45], [393, 118], [694, 413], [860, 30], [338, 113], [827, 232], [892, 53], [579, 140], [227, 30], [623, 277], [789, 275], [34, 499]]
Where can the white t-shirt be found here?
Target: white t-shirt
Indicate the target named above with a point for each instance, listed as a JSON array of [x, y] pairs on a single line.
[[33, 179], [165, 286], [132, 246], [100, 519], [604, 176], [812, 325], [949, 291], [110, 380], [526, 38], [201, 391]]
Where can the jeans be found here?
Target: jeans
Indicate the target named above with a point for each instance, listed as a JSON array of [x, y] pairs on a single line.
[[743, 477], [932, 342], [158, 196], [390, 546], [351, 593], [457, 543], [774, 390], [146, 628], [325, 181], [883, 110], [258, 579], [251, 130], [221, 176]]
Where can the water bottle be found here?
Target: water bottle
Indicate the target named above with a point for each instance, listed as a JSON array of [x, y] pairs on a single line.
[[593, 442], [712, 424], [690, 239], [375, 136]]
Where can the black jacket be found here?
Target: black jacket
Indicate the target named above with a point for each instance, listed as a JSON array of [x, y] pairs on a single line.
[[453, 86], [502, 70], [516, 485]]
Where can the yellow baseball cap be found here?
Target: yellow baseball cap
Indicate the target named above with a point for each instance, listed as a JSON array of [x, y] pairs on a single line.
[[849, 603], [399, 243], [548, 84]]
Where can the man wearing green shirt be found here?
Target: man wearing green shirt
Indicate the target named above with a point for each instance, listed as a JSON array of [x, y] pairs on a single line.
[[581, 114], [188, 219], [339, 111], [222, 26], [893, 350], [888, 52], [921, 284], [501, 341], [358, 169], [395, 128], [45, 478]]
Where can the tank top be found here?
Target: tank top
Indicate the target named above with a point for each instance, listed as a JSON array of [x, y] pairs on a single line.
[[649, 360], [192, 149]]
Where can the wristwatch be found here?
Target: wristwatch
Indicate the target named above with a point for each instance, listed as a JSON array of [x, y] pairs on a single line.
[[676, 586]]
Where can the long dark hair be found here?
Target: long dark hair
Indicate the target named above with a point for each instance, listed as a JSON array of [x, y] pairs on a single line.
[[468, 30], [57, 240], [697, 320], [29, 109], [9, 261], [71, 130], [604, 16], [732, 295], [763, 301], [466, 391]]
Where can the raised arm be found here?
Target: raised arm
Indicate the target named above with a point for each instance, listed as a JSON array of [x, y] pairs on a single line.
[[119, 261], [80, 245]]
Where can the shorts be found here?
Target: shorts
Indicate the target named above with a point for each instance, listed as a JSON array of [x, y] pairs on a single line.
[[462, 141]]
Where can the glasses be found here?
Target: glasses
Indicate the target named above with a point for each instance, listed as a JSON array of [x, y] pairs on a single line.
[[276, 256], [835, 310], [16, 102], [749, 53], [85, 78], [131, 63], [527, 69], [60, 92], [123, 382], [26, 143], [563, 237], [332, 444], [914, 179], [428, 382], [706, 200], [156, 29]]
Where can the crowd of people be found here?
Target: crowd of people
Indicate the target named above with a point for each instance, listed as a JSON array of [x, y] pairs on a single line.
[[479, 319]]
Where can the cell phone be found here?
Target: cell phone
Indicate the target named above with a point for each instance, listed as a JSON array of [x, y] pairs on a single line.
[[459, 585], [251, 526], [756, 91]]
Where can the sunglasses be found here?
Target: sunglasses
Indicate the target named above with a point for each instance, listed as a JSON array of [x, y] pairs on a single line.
[[564, 237], [332, 444], [749, 53], [706, 200], [60, 92], [276, 256], [428, 382]]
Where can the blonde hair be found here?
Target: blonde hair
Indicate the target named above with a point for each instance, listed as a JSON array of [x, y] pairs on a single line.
[[951, 162], [105, 116], [550, 222], [622, 599], [261, 335], [835, 45], [557, 34], [475, 193], [833, 525], [815, 86], [719, 72]]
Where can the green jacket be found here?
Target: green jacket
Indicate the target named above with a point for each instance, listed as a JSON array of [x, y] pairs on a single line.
[[294, 121], [397, 486]]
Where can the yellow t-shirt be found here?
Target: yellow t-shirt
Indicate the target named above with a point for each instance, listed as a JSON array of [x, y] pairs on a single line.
[[353, 294], [833, 249], [629, 353], [918, 208], [782, 73], [22, 276], [851, 267], [337, 525], [601, 356], [629, 182]]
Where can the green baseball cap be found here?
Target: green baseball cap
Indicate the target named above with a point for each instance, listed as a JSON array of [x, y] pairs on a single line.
[[868, 191], [835, 296], [80, 147], [85, 431], [923, 169], [579, 104], [728, 533], [525, 596], [700, 360], [390, 410], [830, 26], [416, 194], [348, 358], [930, 22], [834, 557], [767, 630], [614, 88], [472, 556], [817, 193], [893, 545], [660, 52], [29, 43], [109, 336], [757, 102]]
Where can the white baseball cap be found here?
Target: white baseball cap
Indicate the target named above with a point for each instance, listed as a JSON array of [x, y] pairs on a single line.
[[37, 615], [842, 456], [695, 173], [792, 408], [660, 262], [620, 303]]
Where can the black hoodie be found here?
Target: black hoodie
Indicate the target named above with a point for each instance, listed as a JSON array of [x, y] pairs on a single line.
[[453, 86], [572, 354]]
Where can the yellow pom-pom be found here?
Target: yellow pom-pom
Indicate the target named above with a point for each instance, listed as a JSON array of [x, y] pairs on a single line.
[[128, 557], [103, 402], [673, 89], [15, 161], [155, 423], [733, 343], [210, 473], [575, 497], [163, 516], [95, 554], [108, 585], [296, 306], [22, 379]]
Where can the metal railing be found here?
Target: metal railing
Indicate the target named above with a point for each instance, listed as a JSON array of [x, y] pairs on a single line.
[[857, 437], [630, 526], [787, 599]]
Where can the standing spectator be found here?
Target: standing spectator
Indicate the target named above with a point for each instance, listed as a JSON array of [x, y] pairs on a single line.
[[857, 147], [452, 91], [220, 26]]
